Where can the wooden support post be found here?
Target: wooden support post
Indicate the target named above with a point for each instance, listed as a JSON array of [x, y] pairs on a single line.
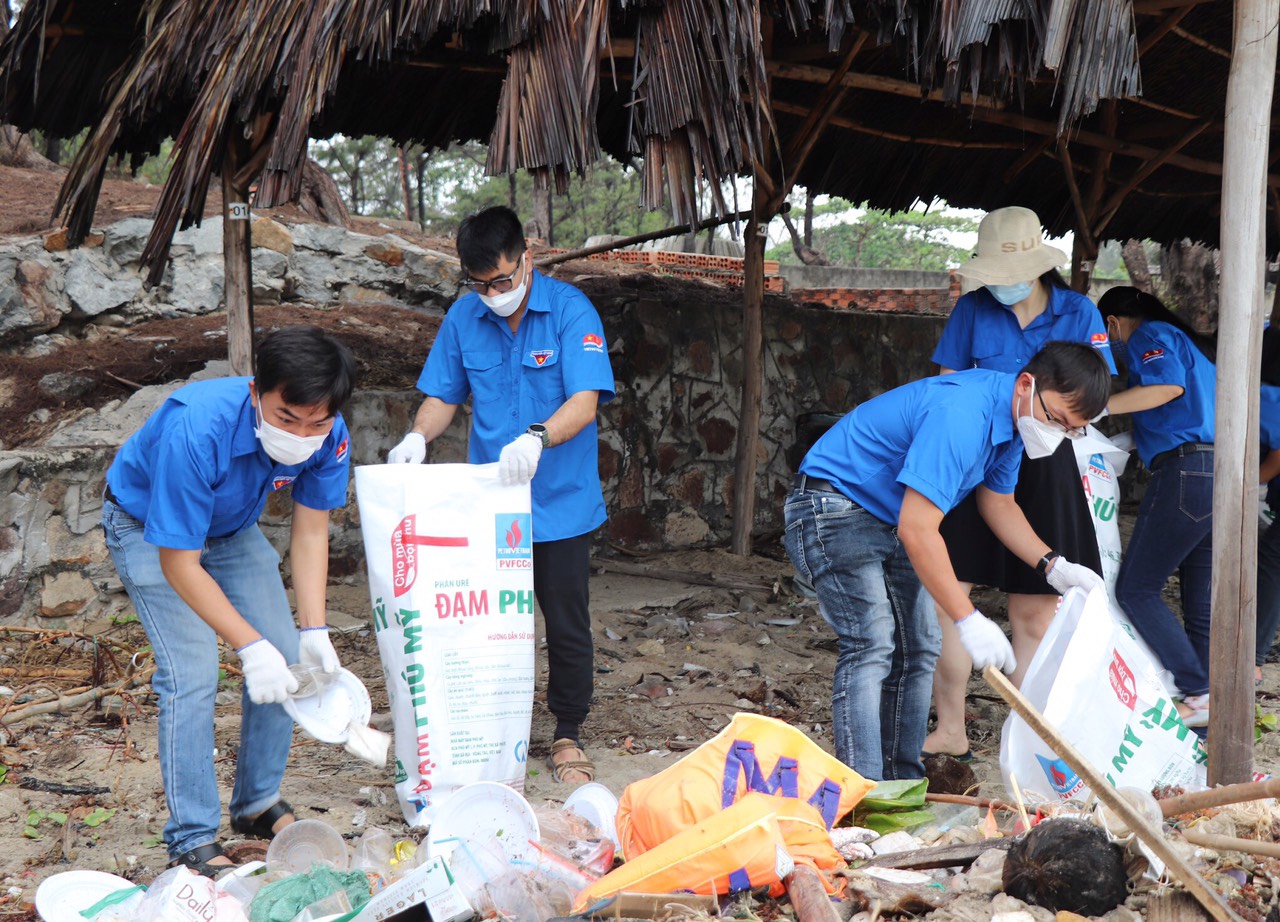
[[744, 471], [1235, 469], [237, 272]]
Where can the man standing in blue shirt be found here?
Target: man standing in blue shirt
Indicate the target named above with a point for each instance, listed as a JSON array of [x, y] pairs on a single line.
[[180, 515], [530, 352], [862, 528]]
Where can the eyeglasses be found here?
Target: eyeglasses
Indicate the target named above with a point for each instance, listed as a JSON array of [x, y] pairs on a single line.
[[501, 285], [1072, 432]]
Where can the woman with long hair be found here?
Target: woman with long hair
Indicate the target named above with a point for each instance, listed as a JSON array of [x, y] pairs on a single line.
[[1171, 399]]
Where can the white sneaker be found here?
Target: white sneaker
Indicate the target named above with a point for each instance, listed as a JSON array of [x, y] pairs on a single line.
[[1199, 715]]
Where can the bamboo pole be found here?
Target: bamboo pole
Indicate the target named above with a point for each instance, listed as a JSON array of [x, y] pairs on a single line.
[[1235, 469], [1153, 838], [1218, 797], [1232, 844]]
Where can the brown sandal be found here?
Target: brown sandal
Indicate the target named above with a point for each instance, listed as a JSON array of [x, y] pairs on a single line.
[[558, 769]]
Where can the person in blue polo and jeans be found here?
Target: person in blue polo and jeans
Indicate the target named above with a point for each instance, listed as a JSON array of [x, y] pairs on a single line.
[[862, 527], [530, 352], [180, 516]]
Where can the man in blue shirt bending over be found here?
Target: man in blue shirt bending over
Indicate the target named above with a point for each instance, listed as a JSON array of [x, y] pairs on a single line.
[[180, 518], [530, 352], [862, 528]]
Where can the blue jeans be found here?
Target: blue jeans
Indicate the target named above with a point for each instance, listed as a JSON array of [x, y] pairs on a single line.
[[247, 568], [1268, 590], [1173, 531], [888, 636]]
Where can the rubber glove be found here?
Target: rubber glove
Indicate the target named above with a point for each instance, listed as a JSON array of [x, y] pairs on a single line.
[[519, 460], [411, 450], [315, 649], [1064, 574], [985, 643], [266, 675]]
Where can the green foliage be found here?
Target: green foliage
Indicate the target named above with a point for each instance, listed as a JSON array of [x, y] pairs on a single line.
[[446, 185], [99, 816], [36, 817], [153, 842], [853, 235], [1263, 722]]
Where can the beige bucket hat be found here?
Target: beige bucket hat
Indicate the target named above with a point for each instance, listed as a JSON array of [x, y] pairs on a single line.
[[1011, 249]]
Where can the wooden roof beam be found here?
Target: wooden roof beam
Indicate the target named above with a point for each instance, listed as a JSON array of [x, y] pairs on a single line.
[[981, 113], [1170, 23], [809, 74], [1141, 7], [842, 122], [1108, 211]]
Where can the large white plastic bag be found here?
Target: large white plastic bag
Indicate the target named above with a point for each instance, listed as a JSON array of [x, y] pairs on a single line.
[[1101, 462], [1097, 688], [450, 558]]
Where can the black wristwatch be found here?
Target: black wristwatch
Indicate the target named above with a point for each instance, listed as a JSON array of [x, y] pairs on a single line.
[[1043, 566], [541, 432]]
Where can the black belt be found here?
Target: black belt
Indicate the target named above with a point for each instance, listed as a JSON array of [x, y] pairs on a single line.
[[1186, 448], [802, 483], [109, 496]]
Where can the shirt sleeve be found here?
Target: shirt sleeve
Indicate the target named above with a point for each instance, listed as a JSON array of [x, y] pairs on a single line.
[[955, 347], [1156, 356], [443, 375], [182, 480], [323, 482], [945, 446], [1002, 473], [585, 360]]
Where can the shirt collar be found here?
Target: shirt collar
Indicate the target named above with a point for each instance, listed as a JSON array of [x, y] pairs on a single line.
[[244, 441]]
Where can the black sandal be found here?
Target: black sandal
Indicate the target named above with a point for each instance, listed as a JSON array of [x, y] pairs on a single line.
[[260, 826], [198, 860]]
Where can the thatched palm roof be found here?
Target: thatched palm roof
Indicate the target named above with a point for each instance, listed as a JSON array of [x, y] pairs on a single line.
[[703, 89]]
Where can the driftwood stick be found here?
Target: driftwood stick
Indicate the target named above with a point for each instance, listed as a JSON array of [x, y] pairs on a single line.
[[1219, 797], [943, 856], [53, 787], [1153, 838], [73, 699], [808, 897], [683, 576], [968, 801], [1232, 844]]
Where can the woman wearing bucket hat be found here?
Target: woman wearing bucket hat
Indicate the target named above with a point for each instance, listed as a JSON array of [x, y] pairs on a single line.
[[1171, 394], [1022, 305]]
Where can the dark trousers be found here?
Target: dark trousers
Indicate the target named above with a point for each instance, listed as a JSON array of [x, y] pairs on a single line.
[[561, 574]]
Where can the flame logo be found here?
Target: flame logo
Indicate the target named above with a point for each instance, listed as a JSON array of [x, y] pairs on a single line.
[[1058, 777], [514, 535]]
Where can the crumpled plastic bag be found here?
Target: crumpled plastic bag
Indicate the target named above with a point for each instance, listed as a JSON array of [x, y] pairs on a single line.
[[284, 899]]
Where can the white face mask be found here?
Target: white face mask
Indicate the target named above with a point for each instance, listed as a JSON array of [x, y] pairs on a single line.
[[1009, 295], [285, 447], [506, 304], [1039, 438]]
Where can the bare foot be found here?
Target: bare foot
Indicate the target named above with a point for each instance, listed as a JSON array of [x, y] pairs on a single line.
[[951, 745], [571, 775]]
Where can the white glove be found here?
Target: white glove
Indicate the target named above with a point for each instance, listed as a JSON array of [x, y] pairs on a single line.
[[266, 674], [316, 650], [519, 460], [985, 643], [411, 450], [1064, 574]]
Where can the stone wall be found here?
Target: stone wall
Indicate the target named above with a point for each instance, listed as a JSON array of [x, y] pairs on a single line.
[[667, 442]]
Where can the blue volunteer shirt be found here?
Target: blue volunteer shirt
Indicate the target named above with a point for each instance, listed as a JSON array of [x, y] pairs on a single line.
[[1269, 420], [196, 470], [939, 436], [1160, 353], [983, 333], [518, 379]]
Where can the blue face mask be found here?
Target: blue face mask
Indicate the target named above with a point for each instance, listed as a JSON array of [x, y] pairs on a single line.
[[1009, 295]]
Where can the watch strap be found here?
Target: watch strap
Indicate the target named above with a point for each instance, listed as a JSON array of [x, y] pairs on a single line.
[[1043, 566]]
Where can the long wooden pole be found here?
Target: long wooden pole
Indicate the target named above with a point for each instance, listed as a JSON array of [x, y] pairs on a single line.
[[1235, 468], [1218, 797], [1154, 839], [237, 269]]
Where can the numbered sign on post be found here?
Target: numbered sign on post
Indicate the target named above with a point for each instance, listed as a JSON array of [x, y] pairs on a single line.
[[238, 211]]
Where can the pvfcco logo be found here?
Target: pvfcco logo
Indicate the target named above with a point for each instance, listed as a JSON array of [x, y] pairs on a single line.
[[1062, 779], [513, 546], [1123, 682]]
